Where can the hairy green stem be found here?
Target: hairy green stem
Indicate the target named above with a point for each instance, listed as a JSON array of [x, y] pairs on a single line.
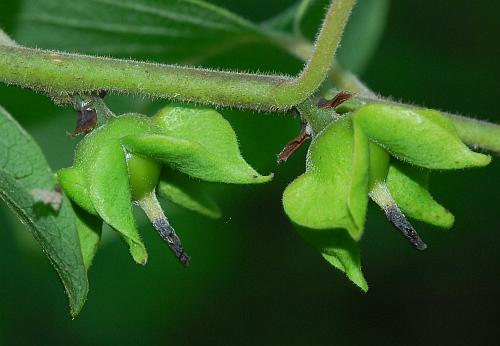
[[303, 49], [62, 73]]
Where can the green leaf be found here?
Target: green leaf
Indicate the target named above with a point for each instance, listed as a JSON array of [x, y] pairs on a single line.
[[421, 137], [333, 193], [189, 194], [23, 168], [290, 19], [363, 34], [409, 187], [107, 178], [198, 142], [170, 30], [174, 31], [89, 232]]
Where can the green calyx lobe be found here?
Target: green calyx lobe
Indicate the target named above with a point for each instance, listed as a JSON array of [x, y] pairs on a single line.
[[199, 143], [421, 137], [333, 191], [328, 202], [409, 187], [120, 162]]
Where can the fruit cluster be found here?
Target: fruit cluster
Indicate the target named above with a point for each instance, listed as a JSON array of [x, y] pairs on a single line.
[[120, 163], [380, 151]]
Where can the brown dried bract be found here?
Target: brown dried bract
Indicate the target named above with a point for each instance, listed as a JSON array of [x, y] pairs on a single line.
[[340, 98], [294, 144], [86, 121]]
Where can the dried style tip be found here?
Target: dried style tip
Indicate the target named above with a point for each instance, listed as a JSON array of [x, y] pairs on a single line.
[[295, 144], [149, 203], [168, 234], [397, 218], [337, 100], [380, 194]]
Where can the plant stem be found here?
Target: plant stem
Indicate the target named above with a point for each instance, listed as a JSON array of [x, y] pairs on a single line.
[[303, 49], [60, 74], [64, 73]]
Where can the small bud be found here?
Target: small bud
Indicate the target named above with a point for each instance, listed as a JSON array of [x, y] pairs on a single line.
[[337, 100]]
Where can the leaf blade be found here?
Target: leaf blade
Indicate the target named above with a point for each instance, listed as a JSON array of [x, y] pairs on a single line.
[[169, 30], [23, 168], [89, 229]]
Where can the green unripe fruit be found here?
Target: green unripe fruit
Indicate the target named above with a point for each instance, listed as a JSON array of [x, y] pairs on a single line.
[[143, 175]]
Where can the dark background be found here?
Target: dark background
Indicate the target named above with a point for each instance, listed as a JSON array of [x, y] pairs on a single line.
[[253, 280]]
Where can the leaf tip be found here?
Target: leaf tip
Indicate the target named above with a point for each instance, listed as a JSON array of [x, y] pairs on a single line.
[[76, 302]]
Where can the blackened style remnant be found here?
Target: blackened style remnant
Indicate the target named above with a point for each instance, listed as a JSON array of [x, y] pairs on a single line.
[[168, 234], [295, 144], [397, 218], [338, 99]]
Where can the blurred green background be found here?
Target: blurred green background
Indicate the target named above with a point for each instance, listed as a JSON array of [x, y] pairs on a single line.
[[253, 280]]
